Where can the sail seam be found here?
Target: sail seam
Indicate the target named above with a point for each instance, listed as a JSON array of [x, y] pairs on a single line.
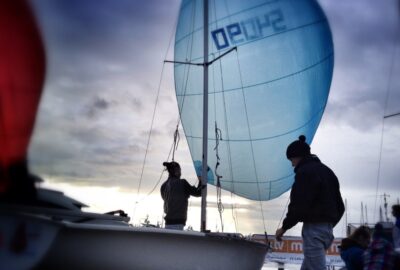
[[259, 182], [329, 56], [271, 137]]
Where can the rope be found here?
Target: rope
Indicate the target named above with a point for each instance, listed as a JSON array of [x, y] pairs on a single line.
[[218, 133], [226, 128], [153, 117], [393, 57], [251, 143], [148, 140], [154, 187], [283, 213], [218, 137], [176, 141], [189, 50]]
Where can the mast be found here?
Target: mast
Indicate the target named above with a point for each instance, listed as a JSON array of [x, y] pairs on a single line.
[[205, 121]]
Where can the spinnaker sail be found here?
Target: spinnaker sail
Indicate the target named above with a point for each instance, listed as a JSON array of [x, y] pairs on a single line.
[[262, 96]]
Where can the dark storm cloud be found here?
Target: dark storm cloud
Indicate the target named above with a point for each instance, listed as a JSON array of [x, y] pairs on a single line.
[[105, 31], [100, 104], [77, 25]]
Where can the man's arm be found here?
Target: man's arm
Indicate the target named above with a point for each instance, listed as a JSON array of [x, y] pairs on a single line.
[[192, 190]]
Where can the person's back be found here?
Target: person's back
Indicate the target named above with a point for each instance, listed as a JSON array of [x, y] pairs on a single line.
[[175, 193], [322, 187]]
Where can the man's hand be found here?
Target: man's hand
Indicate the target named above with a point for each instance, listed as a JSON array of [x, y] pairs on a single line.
[[279, 233]]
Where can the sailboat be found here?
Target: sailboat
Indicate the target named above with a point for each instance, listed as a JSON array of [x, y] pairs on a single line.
[[265, 67]]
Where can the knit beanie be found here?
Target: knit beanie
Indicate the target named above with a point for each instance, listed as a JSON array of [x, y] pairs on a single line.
[[171, 166], [298, 148]]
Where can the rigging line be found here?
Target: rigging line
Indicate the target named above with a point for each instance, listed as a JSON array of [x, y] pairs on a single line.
[[391, 68], [186, 71], [159, 179], [176, 141], [153, 117], [158, 182], [234, 210], [218, 135], [149, 136], [229, 150], [203, 64], [391, 115], [220, 56], [251, 142], [174, 147], [184, 63], [283, 212]]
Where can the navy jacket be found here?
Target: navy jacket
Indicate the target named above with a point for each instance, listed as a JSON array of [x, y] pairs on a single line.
[[175, 193], [351, 253], [315, 196]]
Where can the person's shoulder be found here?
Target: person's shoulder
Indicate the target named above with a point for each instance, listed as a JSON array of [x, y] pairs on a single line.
[[163, 187], [184, 181], [315, 164]]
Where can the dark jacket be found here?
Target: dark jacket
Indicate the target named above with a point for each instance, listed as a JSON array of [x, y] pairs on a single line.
[[175, 193], [379, 255], [315, 196], [351, 253]]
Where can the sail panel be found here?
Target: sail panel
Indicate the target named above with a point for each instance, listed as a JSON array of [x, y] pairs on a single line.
[[262, 96]]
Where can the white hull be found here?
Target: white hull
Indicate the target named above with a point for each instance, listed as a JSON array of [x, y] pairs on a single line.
[[65, 239]]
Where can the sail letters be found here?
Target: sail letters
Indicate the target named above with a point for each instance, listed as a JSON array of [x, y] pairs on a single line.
[[249, 29]]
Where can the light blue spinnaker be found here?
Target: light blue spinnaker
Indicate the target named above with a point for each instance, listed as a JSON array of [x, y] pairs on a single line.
[[262, 96]]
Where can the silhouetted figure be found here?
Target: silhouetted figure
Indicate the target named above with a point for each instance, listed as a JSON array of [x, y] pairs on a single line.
[[379, 254], [396, 234], [315, 200], [352, 248], [175, 193], [396, 228]]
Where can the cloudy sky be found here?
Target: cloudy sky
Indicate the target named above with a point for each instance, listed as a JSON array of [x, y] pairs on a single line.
[[105, 64]]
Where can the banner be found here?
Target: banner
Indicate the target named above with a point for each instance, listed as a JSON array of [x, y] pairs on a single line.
[[290, 250]]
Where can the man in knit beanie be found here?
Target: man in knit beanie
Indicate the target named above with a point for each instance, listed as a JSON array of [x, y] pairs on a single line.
[[315, 200]]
